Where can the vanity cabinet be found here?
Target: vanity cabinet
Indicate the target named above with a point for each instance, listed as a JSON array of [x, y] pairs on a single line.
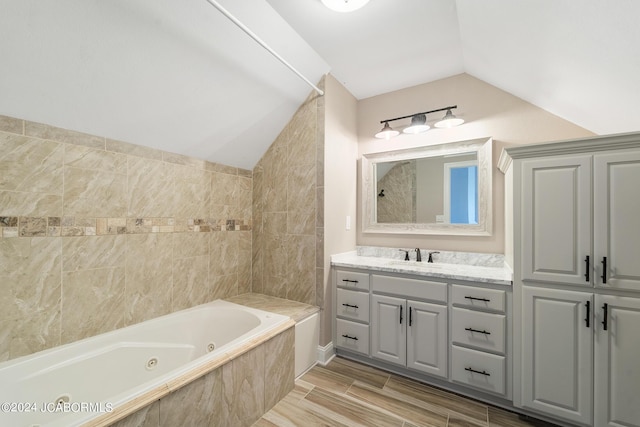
[[408, 332], [577, 279], [352, 311], [479, 338]]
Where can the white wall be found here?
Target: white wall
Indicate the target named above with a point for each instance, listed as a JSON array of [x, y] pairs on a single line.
[[340, 154], [488, 112]]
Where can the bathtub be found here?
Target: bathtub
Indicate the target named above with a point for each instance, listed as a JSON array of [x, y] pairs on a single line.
[[103, 378]]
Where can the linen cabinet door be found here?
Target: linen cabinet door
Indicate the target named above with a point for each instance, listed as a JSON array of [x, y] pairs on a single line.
[[388, 329], [427, 338], [557, 353], [616, 214], [556, 220], [617, 372]]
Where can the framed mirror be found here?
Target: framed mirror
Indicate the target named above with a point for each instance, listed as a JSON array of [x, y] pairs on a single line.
[[438, 189]]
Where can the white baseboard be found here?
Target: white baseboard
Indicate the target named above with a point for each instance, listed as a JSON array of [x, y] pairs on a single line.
[[326, 353]]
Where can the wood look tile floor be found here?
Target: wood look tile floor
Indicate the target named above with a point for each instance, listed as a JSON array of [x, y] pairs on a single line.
[[350, 394]]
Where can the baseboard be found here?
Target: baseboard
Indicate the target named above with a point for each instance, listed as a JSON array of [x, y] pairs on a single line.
[[326, 353]]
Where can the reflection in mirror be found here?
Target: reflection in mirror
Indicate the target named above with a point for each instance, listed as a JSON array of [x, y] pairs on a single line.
[[439, 189]]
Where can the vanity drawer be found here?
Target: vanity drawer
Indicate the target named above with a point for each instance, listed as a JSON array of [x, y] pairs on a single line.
[[478, 369], [479, 329], [352, 336], [410, 288], [482, 298], [352, 279], [353, 304]]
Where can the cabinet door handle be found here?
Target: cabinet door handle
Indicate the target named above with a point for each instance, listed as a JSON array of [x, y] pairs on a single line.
[[605, 309], [588, 306], [401, 315], [349, 281], [478, 299], [477, 330], [604, 270], [350, 337], [485, 373], [349, 305], [410, 316], [586, 274]]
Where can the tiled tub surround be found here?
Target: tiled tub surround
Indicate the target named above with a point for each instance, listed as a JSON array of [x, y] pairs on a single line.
[[253, 348], [477, 267], [98, 234]]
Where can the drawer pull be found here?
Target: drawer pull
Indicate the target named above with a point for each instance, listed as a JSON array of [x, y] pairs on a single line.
[[349, 305], [478, 299], [350, 337], [478, 331], [349, 281], [485, 373]]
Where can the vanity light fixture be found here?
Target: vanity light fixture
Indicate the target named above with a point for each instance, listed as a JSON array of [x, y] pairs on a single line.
[[344, 5], [419, 123]]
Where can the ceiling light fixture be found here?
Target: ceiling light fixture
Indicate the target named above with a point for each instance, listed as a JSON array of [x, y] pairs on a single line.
[[419, 123], [344, 5]]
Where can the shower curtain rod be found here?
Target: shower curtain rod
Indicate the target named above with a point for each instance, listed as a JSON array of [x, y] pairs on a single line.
[[251, 34]]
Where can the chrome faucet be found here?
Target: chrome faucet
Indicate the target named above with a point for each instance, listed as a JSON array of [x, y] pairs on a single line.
[[431, 256], [418, 255]]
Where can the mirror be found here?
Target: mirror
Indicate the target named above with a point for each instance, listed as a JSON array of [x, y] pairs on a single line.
[[438, 189]]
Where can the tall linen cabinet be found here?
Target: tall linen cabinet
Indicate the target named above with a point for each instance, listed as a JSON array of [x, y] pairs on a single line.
[[574, 207]]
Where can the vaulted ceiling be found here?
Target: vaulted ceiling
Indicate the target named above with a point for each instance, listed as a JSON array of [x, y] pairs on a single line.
[[178, 76]]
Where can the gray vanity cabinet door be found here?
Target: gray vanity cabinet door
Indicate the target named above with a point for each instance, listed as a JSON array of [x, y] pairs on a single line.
[[556, 220], [616, 213], [388, 329], [557, 353], [427, 338]]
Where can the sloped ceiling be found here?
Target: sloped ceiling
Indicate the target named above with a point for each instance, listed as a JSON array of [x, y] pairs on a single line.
[[178, 76]]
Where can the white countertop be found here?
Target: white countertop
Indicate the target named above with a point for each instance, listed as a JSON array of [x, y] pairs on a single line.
[[472, 273]]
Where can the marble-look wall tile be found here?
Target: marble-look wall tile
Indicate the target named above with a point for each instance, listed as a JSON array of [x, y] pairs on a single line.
[[223, 286], [149, 416], [198, 403], [133, 150], [301, 269], [89, 252], [11, 125], [30, 204], [151, 188], [186, 245], [302, 139], [244, 193], [275, 180], [92, 302], [148, 276], [180, 159], [89, 158], [244, 262], [53, 133], [243, 389], [30, 276], [190, 282], [279, 367], [193, 192], [94, 193], [224, 253], [30, 165], [39, 331]]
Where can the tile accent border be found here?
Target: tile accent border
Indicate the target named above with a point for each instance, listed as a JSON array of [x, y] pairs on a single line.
[[13, 226]]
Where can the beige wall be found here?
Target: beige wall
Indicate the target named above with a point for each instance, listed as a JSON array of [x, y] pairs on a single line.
[[488, 112], [287, 209], [340, 154], [97, 234]]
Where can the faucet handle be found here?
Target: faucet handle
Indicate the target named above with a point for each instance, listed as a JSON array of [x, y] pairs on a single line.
[[406, 254]]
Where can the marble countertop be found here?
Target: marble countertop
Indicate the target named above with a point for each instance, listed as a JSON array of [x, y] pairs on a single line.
[[472, 273]]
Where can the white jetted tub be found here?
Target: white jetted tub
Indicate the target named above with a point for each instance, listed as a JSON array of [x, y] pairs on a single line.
[[78, 382]]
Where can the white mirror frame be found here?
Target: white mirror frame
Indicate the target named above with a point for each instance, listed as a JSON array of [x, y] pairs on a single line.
[[483, 148]]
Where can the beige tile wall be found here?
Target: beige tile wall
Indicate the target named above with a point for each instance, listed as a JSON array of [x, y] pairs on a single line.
[[288, 205], [97, 234]]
